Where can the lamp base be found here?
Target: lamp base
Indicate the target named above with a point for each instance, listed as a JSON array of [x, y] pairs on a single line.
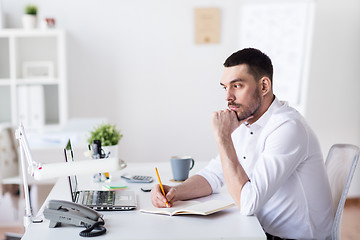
[[31, 219]]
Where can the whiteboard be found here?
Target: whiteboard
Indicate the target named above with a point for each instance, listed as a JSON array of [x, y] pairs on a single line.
[[283, 31]]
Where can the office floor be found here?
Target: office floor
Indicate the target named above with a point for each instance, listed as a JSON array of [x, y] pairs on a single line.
[[350, 229]]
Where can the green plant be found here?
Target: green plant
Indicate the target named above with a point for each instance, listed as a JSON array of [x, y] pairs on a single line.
[[108, 134], [31, 9]]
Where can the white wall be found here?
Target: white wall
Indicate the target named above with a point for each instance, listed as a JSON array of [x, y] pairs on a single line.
[[136, 63], [333, 95]]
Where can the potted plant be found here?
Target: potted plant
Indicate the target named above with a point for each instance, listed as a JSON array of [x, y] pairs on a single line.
[[109, 136], [29, 19]]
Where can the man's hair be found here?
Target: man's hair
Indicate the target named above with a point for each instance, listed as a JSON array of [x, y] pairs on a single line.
[[259, 64]]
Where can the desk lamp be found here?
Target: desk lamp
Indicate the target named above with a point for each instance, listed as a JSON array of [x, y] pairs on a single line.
[[41, 171]]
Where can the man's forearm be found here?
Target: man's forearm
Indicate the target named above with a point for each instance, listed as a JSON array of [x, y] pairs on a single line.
[[194, 187], [235, 175]]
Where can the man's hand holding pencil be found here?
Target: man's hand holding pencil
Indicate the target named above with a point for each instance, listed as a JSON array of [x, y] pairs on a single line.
[[162, 195]]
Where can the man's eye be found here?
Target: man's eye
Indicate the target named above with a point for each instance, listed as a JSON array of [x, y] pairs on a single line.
[[224, 87], [237, 85]]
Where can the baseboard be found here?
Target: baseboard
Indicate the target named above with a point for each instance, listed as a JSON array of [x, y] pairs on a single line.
[[354, 201]]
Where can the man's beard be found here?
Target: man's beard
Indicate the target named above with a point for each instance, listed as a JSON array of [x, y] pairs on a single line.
[[244, 112]]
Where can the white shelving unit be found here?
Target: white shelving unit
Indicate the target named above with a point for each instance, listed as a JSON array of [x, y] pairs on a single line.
[[33, 77]]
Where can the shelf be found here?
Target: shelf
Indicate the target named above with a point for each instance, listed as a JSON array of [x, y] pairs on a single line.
[[37, 81], [5, 82], [33, 77], [32, 81], [19, 32]]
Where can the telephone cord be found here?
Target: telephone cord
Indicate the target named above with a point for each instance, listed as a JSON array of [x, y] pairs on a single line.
[[96, 226]]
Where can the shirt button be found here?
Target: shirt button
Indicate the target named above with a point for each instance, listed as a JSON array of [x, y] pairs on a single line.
[[251, 133], [244, 157]]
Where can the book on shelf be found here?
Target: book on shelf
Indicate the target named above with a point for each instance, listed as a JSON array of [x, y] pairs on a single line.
[[31, 105], [191, 207]]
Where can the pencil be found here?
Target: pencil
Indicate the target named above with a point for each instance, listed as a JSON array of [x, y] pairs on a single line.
[[161, 186]]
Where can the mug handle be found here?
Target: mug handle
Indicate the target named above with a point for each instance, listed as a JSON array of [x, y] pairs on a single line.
[[192, 163]]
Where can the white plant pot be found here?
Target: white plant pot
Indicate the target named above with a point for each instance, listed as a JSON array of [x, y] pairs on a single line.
[[29, 21], [113, 150]]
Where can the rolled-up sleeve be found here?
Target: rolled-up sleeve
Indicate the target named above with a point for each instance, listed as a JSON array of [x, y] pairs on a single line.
[[283, 150], [213, 174]]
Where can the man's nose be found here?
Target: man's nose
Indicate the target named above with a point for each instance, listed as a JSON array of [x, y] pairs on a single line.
[[229, 96]]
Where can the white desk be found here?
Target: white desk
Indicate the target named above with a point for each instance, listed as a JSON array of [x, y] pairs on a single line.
[[227, 224]]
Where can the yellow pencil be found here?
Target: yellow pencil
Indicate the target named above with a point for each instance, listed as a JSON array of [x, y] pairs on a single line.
[[161, 186]]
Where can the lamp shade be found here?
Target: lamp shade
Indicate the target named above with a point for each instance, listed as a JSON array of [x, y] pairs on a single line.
[[55, 170]]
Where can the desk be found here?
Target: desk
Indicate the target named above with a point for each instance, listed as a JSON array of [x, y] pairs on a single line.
[[227, 224]]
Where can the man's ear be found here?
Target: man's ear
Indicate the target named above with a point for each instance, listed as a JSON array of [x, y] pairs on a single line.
[[265, 84]]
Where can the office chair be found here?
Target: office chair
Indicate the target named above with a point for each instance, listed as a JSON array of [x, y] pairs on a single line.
[[340, 166], [9, 167], [8, 161], [8, 152]]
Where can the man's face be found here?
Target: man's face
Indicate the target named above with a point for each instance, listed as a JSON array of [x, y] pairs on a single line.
[[242, 91]]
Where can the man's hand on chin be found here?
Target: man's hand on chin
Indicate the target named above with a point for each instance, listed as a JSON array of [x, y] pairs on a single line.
[[225, 122]]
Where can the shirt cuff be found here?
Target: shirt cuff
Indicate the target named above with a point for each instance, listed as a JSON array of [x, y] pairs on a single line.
[[213, 180], [246, 199]]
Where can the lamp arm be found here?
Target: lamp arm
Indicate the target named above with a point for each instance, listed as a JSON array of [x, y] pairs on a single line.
[[21, 136], [25, 153]]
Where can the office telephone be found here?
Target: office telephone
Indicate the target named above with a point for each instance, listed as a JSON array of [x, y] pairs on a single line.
[[59, 211]]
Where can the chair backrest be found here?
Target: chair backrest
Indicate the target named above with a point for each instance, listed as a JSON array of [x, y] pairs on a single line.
[[340, 166], [8, 153]]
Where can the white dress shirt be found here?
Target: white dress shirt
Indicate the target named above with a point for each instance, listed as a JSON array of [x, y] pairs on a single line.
[[288, 190]]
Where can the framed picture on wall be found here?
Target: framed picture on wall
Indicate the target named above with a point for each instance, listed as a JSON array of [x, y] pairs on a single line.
[[38, 69]]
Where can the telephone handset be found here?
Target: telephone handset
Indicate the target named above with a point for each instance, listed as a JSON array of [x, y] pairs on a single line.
[[59, 211]]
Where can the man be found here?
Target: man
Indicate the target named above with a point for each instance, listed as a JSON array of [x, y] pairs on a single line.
[[269, 158]]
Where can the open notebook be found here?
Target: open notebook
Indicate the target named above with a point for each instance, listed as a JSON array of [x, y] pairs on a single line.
[[192, 207]]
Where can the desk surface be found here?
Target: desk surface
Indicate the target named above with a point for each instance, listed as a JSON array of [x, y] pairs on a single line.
[[227, 224]]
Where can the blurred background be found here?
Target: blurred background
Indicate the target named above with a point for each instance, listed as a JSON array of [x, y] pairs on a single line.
[[137, 64]]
